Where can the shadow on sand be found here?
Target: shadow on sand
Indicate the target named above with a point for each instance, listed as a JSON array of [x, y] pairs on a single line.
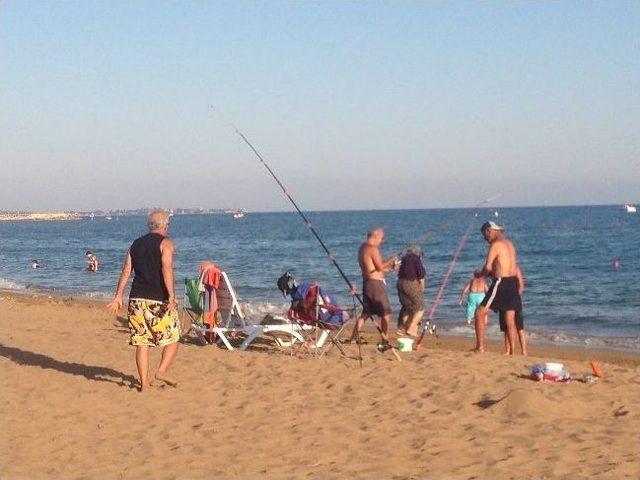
[[90, 372], [487, 402]]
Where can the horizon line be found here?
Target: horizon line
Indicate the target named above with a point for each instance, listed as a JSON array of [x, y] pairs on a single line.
[[221, 210]]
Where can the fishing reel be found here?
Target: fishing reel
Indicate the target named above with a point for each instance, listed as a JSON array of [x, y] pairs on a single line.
[[430, 328]]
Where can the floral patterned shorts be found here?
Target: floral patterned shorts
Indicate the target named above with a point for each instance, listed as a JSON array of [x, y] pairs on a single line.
[[151, 325]]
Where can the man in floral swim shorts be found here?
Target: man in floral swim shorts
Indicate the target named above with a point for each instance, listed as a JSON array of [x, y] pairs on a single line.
[[153, 318]]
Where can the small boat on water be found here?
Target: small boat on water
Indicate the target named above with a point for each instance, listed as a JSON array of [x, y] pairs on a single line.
[[495, 213], [629, 208], [238, 214], [108, 217]]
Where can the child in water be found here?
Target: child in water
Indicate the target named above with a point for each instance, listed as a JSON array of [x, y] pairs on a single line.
[[476, 289]]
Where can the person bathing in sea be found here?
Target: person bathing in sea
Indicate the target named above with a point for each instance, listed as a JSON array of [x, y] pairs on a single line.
[[92, 261], [474, 290], [503, 294], [35, 264], [374, 288], [153, 318], [519, 322], [411, 281]]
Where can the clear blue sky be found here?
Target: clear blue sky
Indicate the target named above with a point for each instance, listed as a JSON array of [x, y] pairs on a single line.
[[354, 104]]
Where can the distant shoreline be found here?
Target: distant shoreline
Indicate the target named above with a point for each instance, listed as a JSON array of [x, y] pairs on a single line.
[[6, 216], [12, 217]]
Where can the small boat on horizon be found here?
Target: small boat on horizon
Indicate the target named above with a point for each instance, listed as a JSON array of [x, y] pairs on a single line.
[[630, 208], [238, 214]]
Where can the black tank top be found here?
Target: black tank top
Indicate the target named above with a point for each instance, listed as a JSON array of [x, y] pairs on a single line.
[[148, 282]]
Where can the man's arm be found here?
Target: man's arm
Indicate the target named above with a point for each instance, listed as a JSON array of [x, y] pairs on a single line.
[[491, 257], [115, 304], [376, 259], [166, 250], [520, 280]]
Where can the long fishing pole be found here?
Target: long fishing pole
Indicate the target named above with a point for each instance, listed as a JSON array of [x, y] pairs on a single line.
[[309, 225], [443, 285]]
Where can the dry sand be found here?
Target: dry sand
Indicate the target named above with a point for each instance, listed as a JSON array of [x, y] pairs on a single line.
[[70, 409]]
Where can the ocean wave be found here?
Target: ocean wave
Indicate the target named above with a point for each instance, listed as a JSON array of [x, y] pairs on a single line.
[[10, 285], [6, 284], [95, 295], [561, 338], [550, 337], [258, 310]]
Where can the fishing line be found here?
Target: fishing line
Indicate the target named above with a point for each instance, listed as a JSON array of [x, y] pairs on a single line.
[[449, 222]]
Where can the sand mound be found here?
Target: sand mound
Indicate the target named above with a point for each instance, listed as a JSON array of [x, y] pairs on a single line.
[[523, 402]]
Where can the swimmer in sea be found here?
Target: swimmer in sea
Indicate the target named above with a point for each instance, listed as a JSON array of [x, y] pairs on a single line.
[[35, 264], [92, 261]]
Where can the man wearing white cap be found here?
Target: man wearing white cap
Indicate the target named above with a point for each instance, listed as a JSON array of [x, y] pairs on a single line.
[[503, 295]]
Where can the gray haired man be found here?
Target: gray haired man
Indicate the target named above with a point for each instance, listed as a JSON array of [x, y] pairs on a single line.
[[153, 319]]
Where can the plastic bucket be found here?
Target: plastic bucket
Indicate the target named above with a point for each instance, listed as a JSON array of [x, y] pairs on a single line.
[[405, 344], [553, 367]]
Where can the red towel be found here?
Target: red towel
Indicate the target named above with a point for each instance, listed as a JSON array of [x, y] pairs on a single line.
[[210, 274]]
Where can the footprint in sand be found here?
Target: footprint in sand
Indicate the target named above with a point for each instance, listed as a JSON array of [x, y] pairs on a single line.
[[166, 380], [620, 412]]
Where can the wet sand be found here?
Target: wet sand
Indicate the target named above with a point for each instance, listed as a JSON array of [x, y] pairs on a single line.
[[71, 408]]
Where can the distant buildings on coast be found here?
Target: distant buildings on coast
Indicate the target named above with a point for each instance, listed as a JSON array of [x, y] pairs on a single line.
[[35, 216], [107, 214]]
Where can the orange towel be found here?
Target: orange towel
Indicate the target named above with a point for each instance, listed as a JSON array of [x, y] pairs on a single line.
[[210, 274]]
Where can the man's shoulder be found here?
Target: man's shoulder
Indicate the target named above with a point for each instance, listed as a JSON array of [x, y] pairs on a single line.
[[167, 242], [502, 242], [139, 239]]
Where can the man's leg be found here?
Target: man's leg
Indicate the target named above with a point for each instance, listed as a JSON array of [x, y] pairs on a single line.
[[355, 334], [507, 351], [480, 324], [522, 336], [385, 320], [510, 324], [142, 362], [168, 354]]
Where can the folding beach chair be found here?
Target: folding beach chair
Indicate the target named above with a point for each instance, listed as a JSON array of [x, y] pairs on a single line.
[[311, 307], [193, 308], [231, 321]]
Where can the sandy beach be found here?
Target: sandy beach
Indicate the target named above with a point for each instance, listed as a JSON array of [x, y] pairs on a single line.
[[71, 409]]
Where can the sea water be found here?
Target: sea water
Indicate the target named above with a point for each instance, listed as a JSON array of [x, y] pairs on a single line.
[[574, 295]]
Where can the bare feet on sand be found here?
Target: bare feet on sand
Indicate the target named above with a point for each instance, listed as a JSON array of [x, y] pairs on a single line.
[[162, 377], [145, 387]]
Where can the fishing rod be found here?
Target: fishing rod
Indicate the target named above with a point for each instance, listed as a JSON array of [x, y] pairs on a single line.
[[443, 285], [309, 225]]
